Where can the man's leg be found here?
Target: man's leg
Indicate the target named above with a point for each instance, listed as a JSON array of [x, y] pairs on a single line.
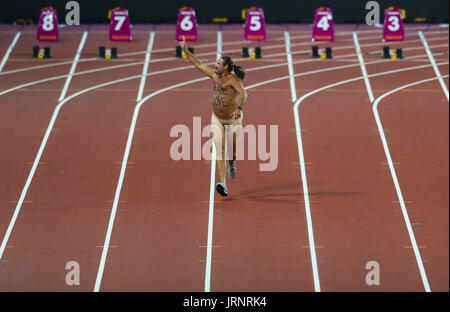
[[218, 133]]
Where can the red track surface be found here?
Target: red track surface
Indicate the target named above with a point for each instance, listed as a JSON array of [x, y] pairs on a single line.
[[260, 236]]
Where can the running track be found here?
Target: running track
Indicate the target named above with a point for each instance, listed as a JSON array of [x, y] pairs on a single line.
[[66, 189]]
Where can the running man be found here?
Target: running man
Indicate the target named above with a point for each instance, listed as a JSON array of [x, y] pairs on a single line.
[[229, 97]]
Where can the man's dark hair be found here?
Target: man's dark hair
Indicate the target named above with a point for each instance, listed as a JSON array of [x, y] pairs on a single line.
[[238, 70]]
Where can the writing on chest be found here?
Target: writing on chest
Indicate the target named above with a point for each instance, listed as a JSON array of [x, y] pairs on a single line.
[[221, 88]]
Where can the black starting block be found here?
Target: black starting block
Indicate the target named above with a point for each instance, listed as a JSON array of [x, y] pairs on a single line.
[[107, 53], [322, 53], [179, 53], [252, 53], [42, 53], [388, 53]]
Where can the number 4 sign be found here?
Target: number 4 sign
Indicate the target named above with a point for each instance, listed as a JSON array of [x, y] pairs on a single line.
[[48, 25], [393, 25], [186, 25], [255, 27], [119, 27], [323, 25]]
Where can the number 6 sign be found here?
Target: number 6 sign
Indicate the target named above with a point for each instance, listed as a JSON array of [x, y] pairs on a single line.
[[119, 27], [393, 25], [323, 25], [255, 27], [186, 25], [48, 25]]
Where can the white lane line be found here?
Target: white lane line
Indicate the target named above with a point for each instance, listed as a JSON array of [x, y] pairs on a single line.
[[122, 176], [395, 179], [74, 65], [436, 70], [219, 44], [185, 67], [290, 66], [39, 155], [145, 68], [9, 51], [301, 153], [210, 220], [363, 67]]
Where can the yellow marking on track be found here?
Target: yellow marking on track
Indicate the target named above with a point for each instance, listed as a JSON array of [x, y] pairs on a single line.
[[120, 201], [317, 246], [207, 246], [297, 163], [311, 201], [16, 201], [405, 201], [39, 163], [9, 246]]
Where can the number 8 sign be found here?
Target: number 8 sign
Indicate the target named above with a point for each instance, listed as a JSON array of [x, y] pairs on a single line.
[[323, 25], [255, 27], [48, 25], [119, 27], [393, 25], [186, 25]]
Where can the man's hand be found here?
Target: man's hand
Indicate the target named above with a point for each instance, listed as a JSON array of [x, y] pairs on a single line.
[[236, 114], [183, 44]]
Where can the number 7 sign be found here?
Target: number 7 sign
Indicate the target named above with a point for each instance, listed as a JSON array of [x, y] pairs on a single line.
[[323, 25], [119, 27], [255, 26]]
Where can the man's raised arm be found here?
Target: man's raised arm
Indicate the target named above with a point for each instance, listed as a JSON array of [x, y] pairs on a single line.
[[197, 63]]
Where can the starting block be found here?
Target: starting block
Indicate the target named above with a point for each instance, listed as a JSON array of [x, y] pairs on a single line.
[[322, 53], [42, 53], [180, 53], [107, 53], [392, 54], [252, 53]]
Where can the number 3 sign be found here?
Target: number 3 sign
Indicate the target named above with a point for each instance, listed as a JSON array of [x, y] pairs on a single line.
[[48, 25], [186, 25], [393, 25], [119, 27], [255, 27], [323, 25]]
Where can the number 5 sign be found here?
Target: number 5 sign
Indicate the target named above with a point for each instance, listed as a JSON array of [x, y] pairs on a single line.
[[48, 25], [255, 27], [393, 25], [186, 25], [119, 27], [323, 25]]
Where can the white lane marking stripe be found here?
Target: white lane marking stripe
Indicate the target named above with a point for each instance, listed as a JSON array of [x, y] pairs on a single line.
[[301, 155], [9, 51], [122, 176], [363, 67], [436, 70], [140, 63], [290, 66], [74, 65], [35, 164], [219, 44], [397, 184], [145, 68], [210, 220]]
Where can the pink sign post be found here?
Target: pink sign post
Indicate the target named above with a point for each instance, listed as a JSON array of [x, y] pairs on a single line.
[[119, 26], [393, 25], [186, 25], [255, 26], [323, 29], [48, 25]]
